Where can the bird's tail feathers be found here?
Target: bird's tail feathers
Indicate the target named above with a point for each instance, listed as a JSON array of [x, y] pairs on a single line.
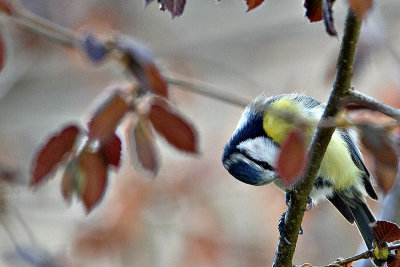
[[364, 220]]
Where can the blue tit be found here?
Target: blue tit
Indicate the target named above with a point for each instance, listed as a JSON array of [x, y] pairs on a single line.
[[251, 154]]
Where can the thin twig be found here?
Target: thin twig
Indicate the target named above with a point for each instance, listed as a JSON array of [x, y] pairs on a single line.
[[8, 231], [46, 28], [366, 255], [208, 92]]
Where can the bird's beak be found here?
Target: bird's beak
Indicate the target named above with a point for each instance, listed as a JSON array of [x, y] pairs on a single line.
[[246, 170]]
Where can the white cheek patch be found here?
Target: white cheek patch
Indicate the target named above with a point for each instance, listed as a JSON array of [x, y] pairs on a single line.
[[261, 149]]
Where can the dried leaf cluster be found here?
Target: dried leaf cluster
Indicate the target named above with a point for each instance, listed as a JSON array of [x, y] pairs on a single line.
[[86, 155]]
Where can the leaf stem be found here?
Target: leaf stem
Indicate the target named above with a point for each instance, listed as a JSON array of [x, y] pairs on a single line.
[[301, 190]]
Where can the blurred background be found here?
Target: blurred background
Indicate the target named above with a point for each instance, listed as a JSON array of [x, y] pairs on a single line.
[[194, 213]]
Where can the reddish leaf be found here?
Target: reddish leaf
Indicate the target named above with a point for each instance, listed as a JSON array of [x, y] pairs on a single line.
[[53, 153], [170, 124], [94, 171], [385, 231], [175, 7], [7, 7], [313, 10], [378, 142], [2, 52], [395, 263], [155, 81], [140, 63], [292, 157], [111, 150], [107, 117], [327, 14], [360, 7], [142, 146], [251, 4]]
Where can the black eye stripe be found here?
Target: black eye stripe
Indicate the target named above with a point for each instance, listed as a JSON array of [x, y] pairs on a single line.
[[263, 164]]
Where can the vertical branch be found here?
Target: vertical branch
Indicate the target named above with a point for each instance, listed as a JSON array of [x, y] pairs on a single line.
[[322, 136]]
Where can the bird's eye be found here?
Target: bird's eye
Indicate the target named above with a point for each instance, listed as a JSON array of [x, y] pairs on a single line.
[[263, 164]]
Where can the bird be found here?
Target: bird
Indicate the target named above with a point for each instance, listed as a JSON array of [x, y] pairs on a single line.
[[252, 151]]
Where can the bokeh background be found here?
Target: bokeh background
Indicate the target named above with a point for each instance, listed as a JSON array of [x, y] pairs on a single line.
[[194, 213]]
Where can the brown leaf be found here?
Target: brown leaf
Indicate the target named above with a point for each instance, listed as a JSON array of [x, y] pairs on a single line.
[[378, 142], [292, 157], [385, 231], [313, 10], [251, 4], [327, 14], [53, 153], [172, 126], [107, 117], [142, 146], [139, 61], [174, 6], [360, 7], [94, 171], [395, 263], [111, 150], [155, 81]]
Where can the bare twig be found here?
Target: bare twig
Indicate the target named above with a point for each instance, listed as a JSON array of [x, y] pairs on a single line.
[[46, 28], [356, 97], [366, 255], [207, 91]]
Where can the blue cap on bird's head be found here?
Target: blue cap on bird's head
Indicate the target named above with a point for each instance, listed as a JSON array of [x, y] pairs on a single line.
[[242, 155]]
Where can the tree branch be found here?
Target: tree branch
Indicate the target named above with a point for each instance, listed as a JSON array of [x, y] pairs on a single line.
[[365, 255], [356, 97], [301, 190]]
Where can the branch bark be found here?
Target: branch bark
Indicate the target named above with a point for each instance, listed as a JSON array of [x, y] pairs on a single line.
[[301, 190]]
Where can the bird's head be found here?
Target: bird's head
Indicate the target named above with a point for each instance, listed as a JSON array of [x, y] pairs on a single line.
[[251, 153]]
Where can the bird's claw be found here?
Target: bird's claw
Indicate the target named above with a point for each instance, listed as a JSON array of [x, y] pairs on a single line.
[[282, 228], [309, 204], [281, 225]]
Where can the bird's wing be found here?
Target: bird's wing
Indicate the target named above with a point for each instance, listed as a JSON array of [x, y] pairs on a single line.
[[357, 159], [342, 207]]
